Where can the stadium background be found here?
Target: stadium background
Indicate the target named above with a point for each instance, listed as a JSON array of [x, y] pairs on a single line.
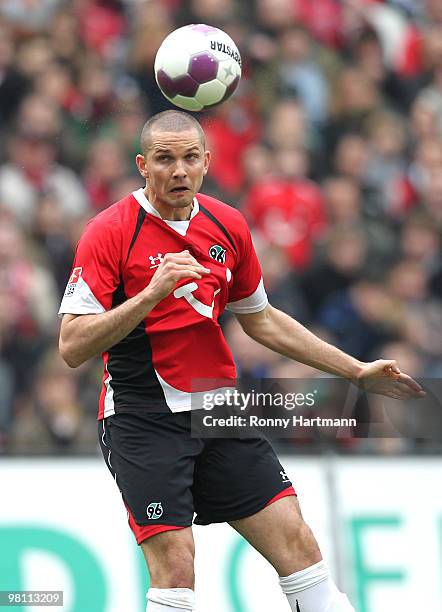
[[332, 147]]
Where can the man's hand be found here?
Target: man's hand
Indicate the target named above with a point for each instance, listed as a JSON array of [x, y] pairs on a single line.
[[83, 336], [173, 268], [384, 377]]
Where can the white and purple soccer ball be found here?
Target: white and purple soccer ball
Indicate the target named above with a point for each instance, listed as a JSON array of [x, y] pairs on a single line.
[[197, 67]]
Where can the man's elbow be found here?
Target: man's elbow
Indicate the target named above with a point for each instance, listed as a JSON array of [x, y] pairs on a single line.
[[257, 325], [253, 332], [68, 354]]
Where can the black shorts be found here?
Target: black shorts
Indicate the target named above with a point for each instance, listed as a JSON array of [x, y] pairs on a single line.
[[165, 475]]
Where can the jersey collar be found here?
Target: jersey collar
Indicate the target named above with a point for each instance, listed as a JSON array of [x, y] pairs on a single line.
[[144, 203]]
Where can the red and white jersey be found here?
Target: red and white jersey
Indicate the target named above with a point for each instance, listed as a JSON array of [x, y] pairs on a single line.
[[180, 341]]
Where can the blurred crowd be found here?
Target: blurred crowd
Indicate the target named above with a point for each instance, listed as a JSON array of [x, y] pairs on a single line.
[[332, 148]]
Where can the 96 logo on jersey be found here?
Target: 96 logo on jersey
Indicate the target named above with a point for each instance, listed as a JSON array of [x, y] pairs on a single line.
[[154, 510], [217, 253]]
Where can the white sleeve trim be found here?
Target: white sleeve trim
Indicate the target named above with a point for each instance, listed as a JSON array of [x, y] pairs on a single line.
[[79, 299], [254, 303]]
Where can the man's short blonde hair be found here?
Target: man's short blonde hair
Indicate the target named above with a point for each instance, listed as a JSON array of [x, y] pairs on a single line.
[[169, 121]]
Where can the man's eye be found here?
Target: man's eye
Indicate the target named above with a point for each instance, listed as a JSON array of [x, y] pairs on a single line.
[[192, 156], [164, 157]]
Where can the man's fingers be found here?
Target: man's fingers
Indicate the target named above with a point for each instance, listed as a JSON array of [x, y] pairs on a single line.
[[183, 256], [402, 394], [403, 391], [392, 368], [407, 388], [385, 377], [411, 383], [188, 267], [193, 267], [414, 388], [186, 273], [190, 262]]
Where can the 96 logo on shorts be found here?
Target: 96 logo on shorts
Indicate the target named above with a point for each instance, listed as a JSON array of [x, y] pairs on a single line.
[[154, 510], [284, 476]]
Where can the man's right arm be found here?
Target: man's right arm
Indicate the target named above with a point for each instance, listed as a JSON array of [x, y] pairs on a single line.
[[83, 336]]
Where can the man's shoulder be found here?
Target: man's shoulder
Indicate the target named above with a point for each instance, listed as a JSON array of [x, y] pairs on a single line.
[[226, 214], [115, 217], [113, 227]]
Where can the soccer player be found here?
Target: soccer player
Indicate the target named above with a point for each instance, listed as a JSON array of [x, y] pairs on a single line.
[[152, 274]]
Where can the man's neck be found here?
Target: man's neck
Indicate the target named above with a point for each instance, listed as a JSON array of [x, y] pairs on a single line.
[[169, 213]]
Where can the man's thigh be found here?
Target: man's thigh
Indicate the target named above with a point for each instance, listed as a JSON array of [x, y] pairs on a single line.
[[280, 534], [235, 478], [152, 458]]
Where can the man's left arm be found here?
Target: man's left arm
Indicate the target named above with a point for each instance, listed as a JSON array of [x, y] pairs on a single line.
[[279, 332]]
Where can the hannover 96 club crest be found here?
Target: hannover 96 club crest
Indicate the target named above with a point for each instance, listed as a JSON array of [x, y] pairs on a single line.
[[217, 253]]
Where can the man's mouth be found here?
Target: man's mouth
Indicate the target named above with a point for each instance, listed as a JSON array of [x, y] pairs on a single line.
[[180, 189]]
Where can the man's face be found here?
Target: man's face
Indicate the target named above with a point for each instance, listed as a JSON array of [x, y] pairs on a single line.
[[174, 167]]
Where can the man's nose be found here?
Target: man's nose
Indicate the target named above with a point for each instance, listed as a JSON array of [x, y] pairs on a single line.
[[179, 168]]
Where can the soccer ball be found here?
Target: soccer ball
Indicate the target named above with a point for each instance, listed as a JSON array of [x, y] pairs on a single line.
[[197, 67]]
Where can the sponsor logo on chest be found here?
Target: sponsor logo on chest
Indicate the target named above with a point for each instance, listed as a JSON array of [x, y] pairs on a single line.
[[155, 260]]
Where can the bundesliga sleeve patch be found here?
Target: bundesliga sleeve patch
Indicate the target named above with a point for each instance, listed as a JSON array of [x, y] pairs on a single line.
[[72, 282]]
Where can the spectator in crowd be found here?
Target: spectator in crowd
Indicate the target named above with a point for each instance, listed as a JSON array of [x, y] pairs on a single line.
[[53, 238], [282, 284], [28, 16], [105, 167], [351, 157], [342, 263], [252, 361], [256, 162], [13, 83], [420, 241], [7, 379], [287, 125], [215, 12], [232, 128], [361, 317], [152, 23], [386, 165], [55, 418], [28, 304], [297, 71], [287, 208], [32, 168], [354, 98], [408, 285]]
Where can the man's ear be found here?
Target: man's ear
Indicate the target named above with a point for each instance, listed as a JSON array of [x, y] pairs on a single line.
[[207, 157], [141, 165]]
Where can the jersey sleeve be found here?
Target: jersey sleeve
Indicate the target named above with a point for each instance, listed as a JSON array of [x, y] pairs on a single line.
[[247, 293], [96, 271]]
